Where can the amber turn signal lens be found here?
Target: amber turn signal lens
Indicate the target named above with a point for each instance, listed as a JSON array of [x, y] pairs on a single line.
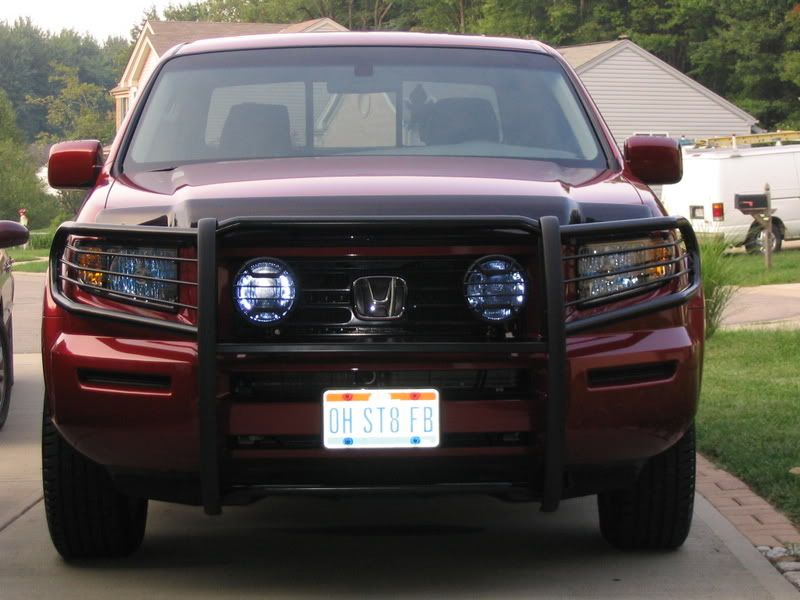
[[91, 262]]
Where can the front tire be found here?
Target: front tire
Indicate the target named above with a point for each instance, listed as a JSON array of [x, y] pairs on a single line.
[[656, 512], [5, 375], [87, 517]]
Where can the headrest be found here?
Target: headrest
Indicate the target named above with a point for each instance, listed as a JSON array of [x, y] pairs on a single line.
[[458, 120], [255, 130]]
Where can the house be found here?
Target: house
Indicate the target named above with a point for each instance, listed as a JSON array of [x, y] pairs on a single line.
[[159, 36], [638, 93]]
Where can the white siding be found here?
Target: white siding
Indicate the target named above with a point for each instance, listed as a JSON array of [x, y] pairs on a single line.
[[637, 95], [149, 66]]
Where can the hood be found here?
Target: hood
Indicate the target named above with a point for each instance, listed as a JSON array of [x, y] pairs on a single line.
[[370, 186]]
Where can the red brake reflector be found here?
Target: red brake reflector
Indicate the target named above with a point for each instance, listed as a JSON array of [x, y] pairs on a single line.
[[718, 211]]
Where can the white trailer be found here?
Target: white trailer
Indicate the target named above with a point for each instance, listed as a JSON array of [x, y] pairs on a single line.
[[714, 171]]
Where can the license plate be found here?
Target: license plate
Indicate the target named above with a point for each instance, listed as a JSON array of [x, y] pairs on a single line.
[[380, 418]]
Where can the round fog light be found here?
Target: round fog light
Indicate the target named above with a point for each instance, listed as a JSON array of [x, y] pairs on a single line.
[[496, 288], [264, 291]]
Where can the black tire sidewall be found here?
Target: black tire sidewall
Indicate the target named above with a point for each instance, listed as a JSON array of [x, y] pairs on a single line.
[[86, 516], [654, 513], [6, 385], [753, 243]]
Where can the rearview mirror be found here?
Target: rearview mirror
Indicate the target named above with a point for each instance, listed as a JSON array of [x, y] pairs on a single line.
[[74, 165], [654, 160], [12, 234]]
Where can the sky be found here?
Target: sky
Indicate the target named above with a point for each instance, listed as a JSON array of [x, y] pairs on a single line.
[[99, 19]]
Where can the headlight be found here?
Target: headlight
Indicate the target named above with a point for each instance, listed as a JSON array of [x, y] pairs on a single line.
[[496, 288], [264, 291], [140, 273], [615, 267]]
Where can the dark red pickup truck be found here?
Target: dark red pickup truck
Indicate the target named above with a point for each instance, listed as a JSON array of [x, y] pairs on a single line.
[[368, 263]]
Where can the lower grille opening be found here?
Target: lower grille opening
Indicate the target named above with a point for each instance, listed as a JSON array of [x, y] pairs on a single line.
[[313, 442], [130, 380], [630, 374], [453, 385]]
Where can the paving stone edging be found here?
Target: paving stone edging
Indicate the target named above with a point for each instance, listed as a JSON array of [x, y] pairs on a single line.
[[767, 529]]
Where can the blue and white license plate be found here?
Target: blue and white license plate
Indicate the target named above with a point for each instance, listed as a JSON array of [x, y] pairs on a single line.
[[404, 418]]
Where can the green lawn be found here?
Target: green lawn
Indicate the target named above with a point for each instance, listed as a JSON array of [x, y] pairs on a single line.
[[20, 255], [38, 266], [749, 418], [750, 268]]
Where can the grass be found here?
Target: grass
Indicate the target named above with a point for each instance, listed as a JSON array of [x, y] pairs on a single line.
[[749, 417], [750, 269], [38, 266], [20, 254]]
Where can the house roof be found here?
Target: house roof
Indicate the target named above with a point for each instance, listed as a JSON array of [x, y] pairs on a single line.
[[157, 37], [583, 57], [166, 34], [579, 55]]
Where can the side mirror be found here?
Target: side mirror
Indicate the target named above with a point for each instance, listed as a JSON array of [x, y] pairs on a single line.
[[12, 234], [74, 165], [654, 160]]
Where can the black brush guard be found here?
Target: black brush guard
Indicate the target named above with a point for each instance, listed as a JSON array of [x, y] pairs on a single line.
[[547, 233]]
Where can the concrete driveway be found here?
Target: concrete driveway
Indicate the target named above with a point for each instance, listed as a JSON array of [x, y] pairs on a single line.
[[28, 288], [452, 547], [775, 306]]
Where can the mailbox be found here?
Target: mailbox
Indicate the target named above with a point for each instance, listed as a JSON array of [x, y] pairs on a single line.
[[751, 204]]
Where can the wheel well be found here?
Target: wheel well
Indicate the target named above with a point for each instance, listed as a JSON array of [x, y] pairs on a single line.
[[775, 220]]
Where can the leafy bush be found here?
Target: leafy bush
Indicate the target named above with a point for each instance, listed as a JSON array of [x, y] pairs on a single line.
[[41, 240], [719, 279]]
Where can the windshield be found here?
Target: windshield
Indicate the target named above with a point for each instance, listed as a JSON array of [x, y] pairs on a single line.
[[362, 101]]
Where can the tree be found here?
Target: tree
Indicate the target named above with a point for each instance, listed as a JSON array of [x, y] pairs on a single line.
[[460, 16], [24, 70], [354, 14], [516, 18], [80, 110], [249, 11], [117, 52], [151, 14], [790, 66], [26, 53], [8, 120], [748, 57], [21, 187]]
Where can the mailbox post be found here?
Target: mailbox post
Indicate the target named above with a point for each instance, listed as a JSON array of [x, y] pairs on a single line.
[[759, 206]]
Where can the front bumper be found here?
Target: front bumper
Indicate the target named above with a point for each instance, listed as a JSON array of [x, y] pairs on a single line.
[[580, 415]]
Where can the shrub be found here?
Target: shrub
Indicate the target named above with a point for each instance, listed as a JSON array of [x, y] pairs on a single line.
[[41, 240], [719, 279]]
